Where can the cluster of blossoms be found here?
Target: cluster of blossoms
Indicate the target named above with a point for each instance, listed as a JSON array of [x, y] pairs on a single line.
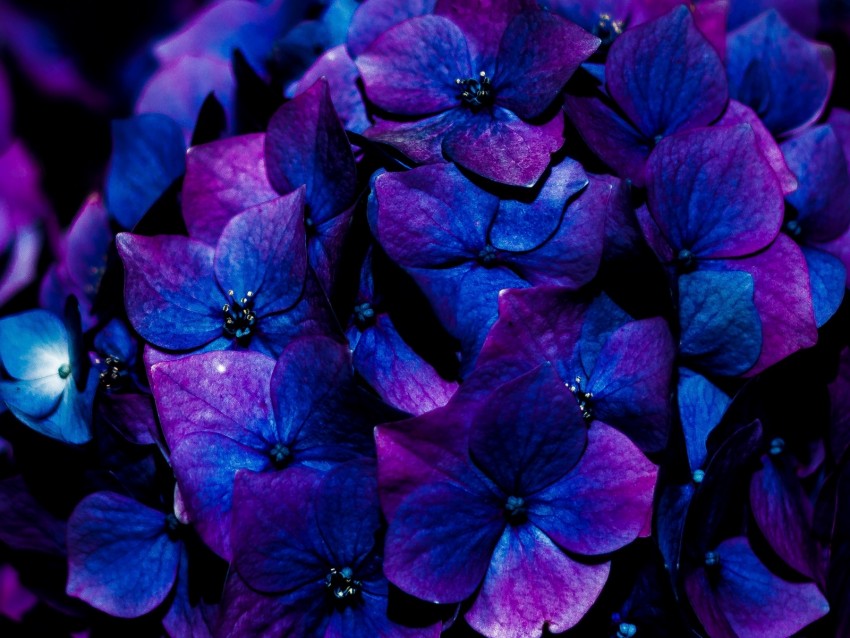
[[406, 318]]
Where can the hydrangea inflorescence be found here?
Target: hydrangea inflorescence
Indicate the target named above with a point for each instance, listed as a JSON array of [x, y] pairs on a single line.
[[410, 318]]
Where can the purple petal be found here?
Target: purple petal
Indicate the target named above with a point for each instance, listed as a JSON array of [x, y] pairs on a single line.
[[631, 382], [420, 451], [320, 412], [440, 541], [538, 53], [531, 584], [528, 434], [503, 148], [374, 17], [306, 144], [120, 559], [274, 548], [712, 193], [783, 513], [604, 502], [341, 73], [87, 243], [179, 89], [744, 598], [524, 224], [826, 277], [406, 80], [484, 23], [666, 76], [612, 138], [197, 394], [803, 14], [839, 248], [399, 375], [783, 77], [27, 525], [737, 113], [432, 216], [223, 178], [421, 140], [822, 199], [263, 251], [783, 299], [709, 17], [205, 465]]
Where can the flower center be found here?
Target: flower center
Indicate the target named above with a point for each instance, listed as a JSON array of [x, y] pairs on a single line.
[[341, 584], [584, 399], [476, 92], [239, 316], [515, 509], [712, 560], [777, 446], [626, 630], [607, 29], [364, 315], [64, 370], [279, 454], [172, 526], [487, 256], [793, 228], [685, 261], [114, 374]]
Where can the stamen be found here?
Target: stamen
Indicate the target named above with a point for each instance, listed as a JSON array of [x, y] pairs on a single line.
[[476, 92], [239, 316], [279, 454], [607, 29], [64, 370], [515, 509], [341, 583], [585, 399], [487, 256], [364, 314], [114, 374]]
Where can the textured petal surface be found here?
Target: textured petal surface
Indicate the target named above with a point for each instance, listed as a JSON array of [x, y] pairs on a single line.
[[666, 76], [406, 80], [701, 406], [530, 583], [783, 77], [306, 145], [223, 178], [264, 250], [374, 17], [712, 193], [170, 291], [120, 559], [601, 505]]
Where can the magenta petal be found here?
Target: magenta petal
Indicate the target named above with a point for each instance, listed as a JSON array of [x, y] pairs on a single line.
[[783, 513], [421, 79], [197, 394], [604, 502], [783, 299], [170, 291], [538, 53], [737, 113], [419, 451], [712, 192], [532, 583], [503, 148], [223, 179], [306, 145], [264, 250], [440, 542], [745, 600]]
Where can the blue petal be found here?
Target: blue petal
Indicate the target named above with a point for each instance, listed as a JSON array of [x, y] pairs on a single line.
[[701, 406], [147, 156], [33, 344], [827, 275], [120, 558], [721, 328]]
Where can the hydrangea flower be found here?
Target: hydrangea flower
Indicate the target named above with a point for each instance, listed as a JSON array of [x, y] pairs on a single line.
[[490, 509], [474, 85], [46, 384], [308, 544]]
